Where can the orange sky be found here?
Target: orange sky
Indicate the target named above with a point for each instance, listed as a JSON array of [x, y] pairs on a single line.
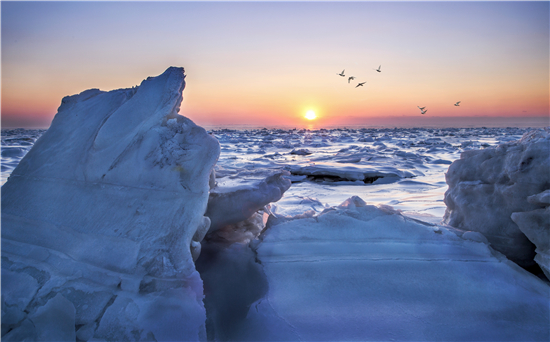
[[268, 63]]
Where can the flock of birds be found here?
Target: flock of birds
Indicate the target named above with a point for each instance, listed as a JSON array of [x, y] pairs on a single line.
[[423, 110], [351, 78]]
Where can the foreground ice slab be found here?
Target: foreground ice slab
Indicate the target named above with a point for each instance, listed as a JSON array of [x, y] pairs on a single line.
[[101, 217], [359, 272], [487, 186]]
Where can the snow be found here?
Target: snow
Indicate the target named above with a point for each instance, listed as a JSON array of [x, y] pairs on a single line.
[[122, 223]]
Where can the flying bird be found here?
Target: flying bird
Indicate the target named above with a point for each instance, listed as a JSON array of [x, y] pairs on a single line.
[[423, 111], [350, 78], [342, 73], [378, 69], [421, 108], [360, 84], [457, 104]]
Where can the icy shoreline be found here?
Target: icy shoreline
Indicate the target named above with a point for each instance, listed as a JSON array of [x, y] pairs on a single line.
[[296, 235]]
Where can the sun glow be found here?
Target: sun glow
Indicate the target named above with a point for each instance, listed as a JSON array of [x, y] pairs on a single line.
[[310, 115]]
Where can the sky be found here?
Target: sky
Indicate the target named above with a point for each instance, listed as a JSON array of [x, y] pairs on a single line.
[[268, 63]]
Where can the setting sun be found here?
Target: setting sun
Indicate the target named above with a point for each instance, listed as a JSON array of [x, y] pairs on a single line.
[[310, 115]]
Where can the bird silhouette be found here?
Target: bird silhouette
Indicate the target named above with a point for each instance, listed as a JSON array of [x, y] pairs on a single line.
[[378, 69], [457, 104], [360, 84], [351, 78], [423, 111], [421, 108], [342, 73]]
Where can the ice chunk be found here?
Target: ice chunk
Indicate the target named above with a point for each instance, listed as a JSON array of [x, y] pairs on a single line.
[[105, 212], [542, 199], [353, 202], [167, 315], [18, 289], [55, 321], [350, 159], [242, 232], [26, 331], [441, 161], [321, 171], [535, 224], [487, 186], [228, 206], [301, 152], [368, 273], [475, 236]]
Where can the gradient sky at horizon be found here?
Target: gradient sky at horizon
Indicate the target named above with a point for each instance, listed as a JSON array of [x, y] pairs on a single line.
[[267, 63]]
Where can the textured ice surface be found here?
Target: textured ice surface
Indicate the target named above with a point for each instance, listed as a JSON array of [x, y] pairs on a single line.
[[422, 154], [15, 144], [366, 273], [231, 205], [249, 156], [328, 172], [360, 272], [487, 186], [535, 224], [102, 215]]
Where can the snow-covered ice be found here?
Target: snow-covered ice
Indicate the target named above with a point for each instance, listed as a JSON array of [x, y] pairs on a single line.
[[328, 234]]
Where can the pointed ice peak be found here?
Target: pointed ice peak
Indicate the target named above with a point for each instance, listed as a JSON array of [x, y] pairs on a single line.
[[156, 100], [166, 87]]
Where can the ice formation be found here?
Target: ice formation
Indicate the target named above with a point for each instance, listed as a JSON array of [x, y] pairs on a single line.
[[487, 186], [535, 224], [361, 272], [231, 205], [327, 172], [101, 220]]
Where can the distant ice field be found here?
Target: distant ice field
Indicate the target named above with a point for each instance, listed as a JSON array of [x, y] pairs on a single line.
[[401, 167], [15, 144]]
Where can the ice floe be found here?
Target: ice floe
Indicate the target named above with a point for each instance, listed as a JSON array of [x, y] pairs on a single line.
[[360, 272]]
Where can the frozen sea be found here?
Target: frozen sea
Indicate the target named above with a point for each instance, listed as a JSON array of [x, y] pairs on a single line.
[[417, 158], [353, 272]]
